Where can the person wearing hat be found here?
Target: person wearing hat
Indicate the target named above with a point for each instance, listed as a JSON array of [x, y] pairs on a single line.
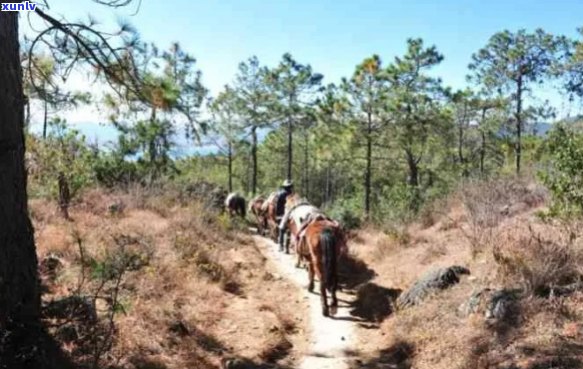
[[286, 189]]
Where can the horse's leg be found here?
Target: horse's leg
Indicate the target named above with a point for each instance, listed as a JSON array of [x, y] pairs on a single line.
[[299, 258], [334, 306], [311, 276], [287, 241], [259, 225], [317, 265], [274, 232], [324, 297]]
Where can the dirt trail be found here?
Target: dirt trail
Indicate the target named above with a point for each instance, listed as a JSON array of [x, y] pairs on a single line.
[[330, 338]]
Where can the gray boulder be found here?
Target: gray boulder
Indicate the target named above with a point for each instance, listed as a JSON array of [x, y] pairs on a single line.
[[493, 304], [430, 283]]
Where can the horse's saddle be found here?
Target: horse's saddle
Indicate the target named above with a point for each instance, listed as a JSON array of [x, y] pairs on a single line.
[[301, 236]]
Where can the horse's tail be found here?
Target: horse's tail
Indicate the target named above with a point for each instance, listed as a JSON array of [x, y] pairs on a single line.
[[243, 207], [328, 242]]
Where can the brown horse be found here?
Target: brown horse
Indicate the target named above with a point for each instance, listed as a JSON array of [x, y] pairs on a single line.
[[256, 208], [235, 204], [300, 233], [322, 246]]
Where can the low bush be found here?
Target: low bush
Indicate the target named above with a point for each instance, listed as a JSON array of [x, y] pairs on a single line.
[[543, 261], [487, 203]]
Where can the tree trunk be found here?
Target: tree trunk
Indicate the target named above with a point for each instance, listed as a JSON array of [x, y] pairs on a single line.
[[289, 148], [230, 166], [22, 341], [518, 143], [483, 144], [254, 160], [413, 179], [482, 152], [368, 172], [46, 118], [152, 154], [27, 120], [461, 157], [328, 184], [306, 171]]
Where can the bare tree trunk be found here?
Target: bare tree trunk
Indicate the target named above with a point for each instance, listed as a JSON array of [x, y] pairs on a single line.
[[27, 120], [368, 171], [289, 148], [483, 143], [461, 157], [413, 179], [46, 118], [230, 165], [306, 171], [482, 152], [23, 343], [248, 174], [327, 189], [518, 144], [254, 160], [64, 195]]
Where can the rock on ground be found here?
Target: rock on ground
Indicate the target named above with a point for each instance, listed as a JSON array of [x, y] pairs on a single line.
[[493, 304], [430, 283]]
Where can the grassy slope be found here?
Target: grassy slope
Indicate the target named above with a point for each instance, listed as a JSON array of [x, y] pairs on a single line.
[[205, 292], [546, 332]]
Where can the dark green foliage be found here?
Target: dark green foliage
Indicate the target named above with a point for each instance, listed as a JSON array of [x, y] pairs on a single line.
[[563, 176], [63, 151], [112, 170], [380, 146], [510, 64], [293, 86], [347, 218]]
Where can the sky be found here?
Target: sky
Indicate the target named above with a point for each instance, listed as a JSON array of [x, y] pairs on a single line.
[[330, 35]]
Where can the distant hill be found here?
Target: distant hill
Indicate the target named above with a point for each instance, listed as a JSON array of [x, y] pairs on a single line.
[[539, 129]]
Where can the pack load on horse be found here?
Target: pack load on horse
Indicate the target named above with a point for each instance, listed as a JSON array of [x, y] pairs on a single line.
[[296, 211], [257, 208], [322, 245], [301, 232], [235, 204]]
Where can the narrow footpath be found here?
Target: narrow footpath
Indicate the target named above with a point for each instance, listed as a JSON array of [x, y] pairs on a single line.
[[330, 338]]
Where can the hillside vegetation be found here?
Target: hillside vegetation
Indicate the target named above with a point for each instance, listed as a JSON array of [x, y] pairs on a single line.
[[520, 306], [146, 280], [464, 224]]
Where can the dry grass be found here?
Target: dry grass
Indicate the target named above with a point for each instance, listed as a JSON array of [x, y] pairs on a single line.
[[194, 289], [205, 293], [488, 203], [540, 257], [491, 228]]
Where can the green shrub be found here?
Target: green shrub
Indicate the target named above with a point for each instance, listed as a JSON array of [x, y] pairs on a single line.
[[564, 173], [112, 170], [346, 212], [63, 151]]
